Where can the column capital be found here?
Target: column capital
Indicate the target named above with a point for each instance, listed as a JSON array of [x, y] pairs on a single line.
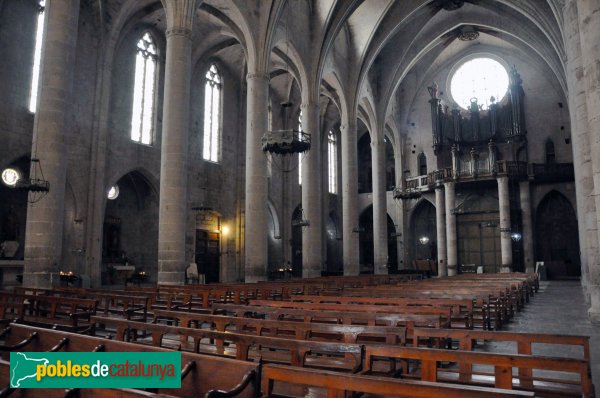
[[258, 75], [180, 16], [308, 105]]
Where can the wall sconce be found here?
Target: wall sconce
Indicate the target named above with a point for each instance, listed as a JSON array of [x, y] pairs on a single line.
[[516, 236], [424, 240], [225, 230]]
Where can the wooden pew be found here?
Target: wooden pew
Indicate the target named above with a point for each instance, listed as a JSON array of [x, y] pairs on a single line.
[[332, 355], [298, 330], [503, 364], [200, 373], [463, 308], [50, 311], [522, 342], [409, 321], [335, 384]]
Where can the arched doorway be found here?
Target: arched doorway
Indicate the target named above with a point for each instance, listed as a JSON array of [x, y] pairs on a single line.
[[423, 232], [556, 236], [208, 245], [365, 241], [130, 235], [296, 242]]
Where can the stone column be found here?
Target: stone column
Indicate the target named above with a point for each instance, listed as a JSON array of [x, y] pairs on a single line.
[[589, 34], [173, 213], [256, 251], [380, 238], [440, 223], [505, 239], [451, 241], [350, 196], [44, 230], [580, 134], [527, 233], [312, 202]]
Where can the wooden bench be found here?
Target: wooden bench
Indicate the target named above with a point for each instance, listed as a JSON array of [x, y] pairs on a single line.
[[200, 373], [409, 321], [331, 355], [336, 384], [522, 343], [50, 311], [351, 334], [500, 377]]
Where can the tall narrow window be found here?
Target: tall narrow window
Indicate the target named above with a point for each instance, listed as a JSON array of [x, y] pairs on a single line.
[[212, 115], [142, 119], [37, 56], [550, 154], [300, 155], [332, 161], [422, 164]]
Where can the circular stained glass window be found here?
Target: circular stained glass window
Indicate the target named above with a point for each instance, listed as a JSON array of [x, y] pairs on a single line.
[[113, 192], [480, 78], [10, 177]]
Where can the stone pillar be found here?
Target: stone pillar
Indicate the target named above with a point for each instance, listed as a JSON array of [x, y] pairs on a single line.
[[451, 241], [44, 230], [350, 196], [527, 233], [505, 239], [380, 238], [312, 202], [580, 134], [173, 213], [256, 251], [440, 223], [589, 34]]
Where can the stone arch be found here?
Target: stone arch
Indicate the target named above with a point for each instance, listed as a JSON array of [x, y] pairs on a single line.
[[130, 227], [423, 235], [556, 236]]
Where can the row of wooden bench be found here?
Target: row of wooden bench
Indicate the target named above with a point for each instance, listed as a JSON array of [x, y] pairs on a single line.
[[353, 349], [216, 377]]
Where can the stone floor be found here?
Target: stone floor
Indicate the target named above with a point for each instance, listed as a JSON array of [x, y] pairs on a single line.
[[559, 308]]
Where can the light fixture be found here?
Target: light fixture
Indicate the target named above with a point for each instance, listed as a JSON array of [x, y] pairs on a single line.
[[113, 192], [225, 229], [300, 222], [287, 141], [515, 236], [424, 240], [36, 184], [10, 177]]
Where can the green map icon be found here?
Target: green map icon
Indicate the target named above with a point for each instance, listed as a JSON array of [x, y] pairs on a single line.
[[24, 367]]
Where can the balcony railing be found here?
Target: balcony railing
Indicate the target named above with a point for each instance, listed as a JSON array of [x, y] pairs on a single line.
[[413, 187]]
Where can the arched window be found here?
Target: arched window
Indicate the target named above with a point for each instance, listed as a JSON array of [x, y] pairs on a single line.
[[422, 164], [300, 155], [142, 119], [37, 56], [550, 154], [212, 115], [332, 161]]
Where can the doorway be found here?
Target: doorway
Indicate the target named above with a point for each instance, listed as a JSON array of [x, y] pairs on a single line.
[[208, 249]]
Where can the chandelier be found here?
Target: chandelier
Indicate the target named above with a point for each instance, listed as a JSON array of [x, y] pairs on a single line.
[[36, 185], [287, 141]]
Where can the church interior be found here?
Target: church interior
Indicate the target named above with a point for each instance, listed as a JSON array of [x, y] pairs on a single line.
[[312, 197]]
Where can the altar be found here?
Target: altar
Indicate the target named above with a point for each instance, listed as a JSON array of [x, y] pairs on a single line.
[[116, 273]]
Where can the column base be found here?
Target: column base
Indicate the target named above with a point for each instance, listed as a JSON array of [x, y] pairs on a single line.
[[381, 270], [594, 316], [171, 278], [254, 278], [43, 280], [505, 269], [452, 270], [311, 273]]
